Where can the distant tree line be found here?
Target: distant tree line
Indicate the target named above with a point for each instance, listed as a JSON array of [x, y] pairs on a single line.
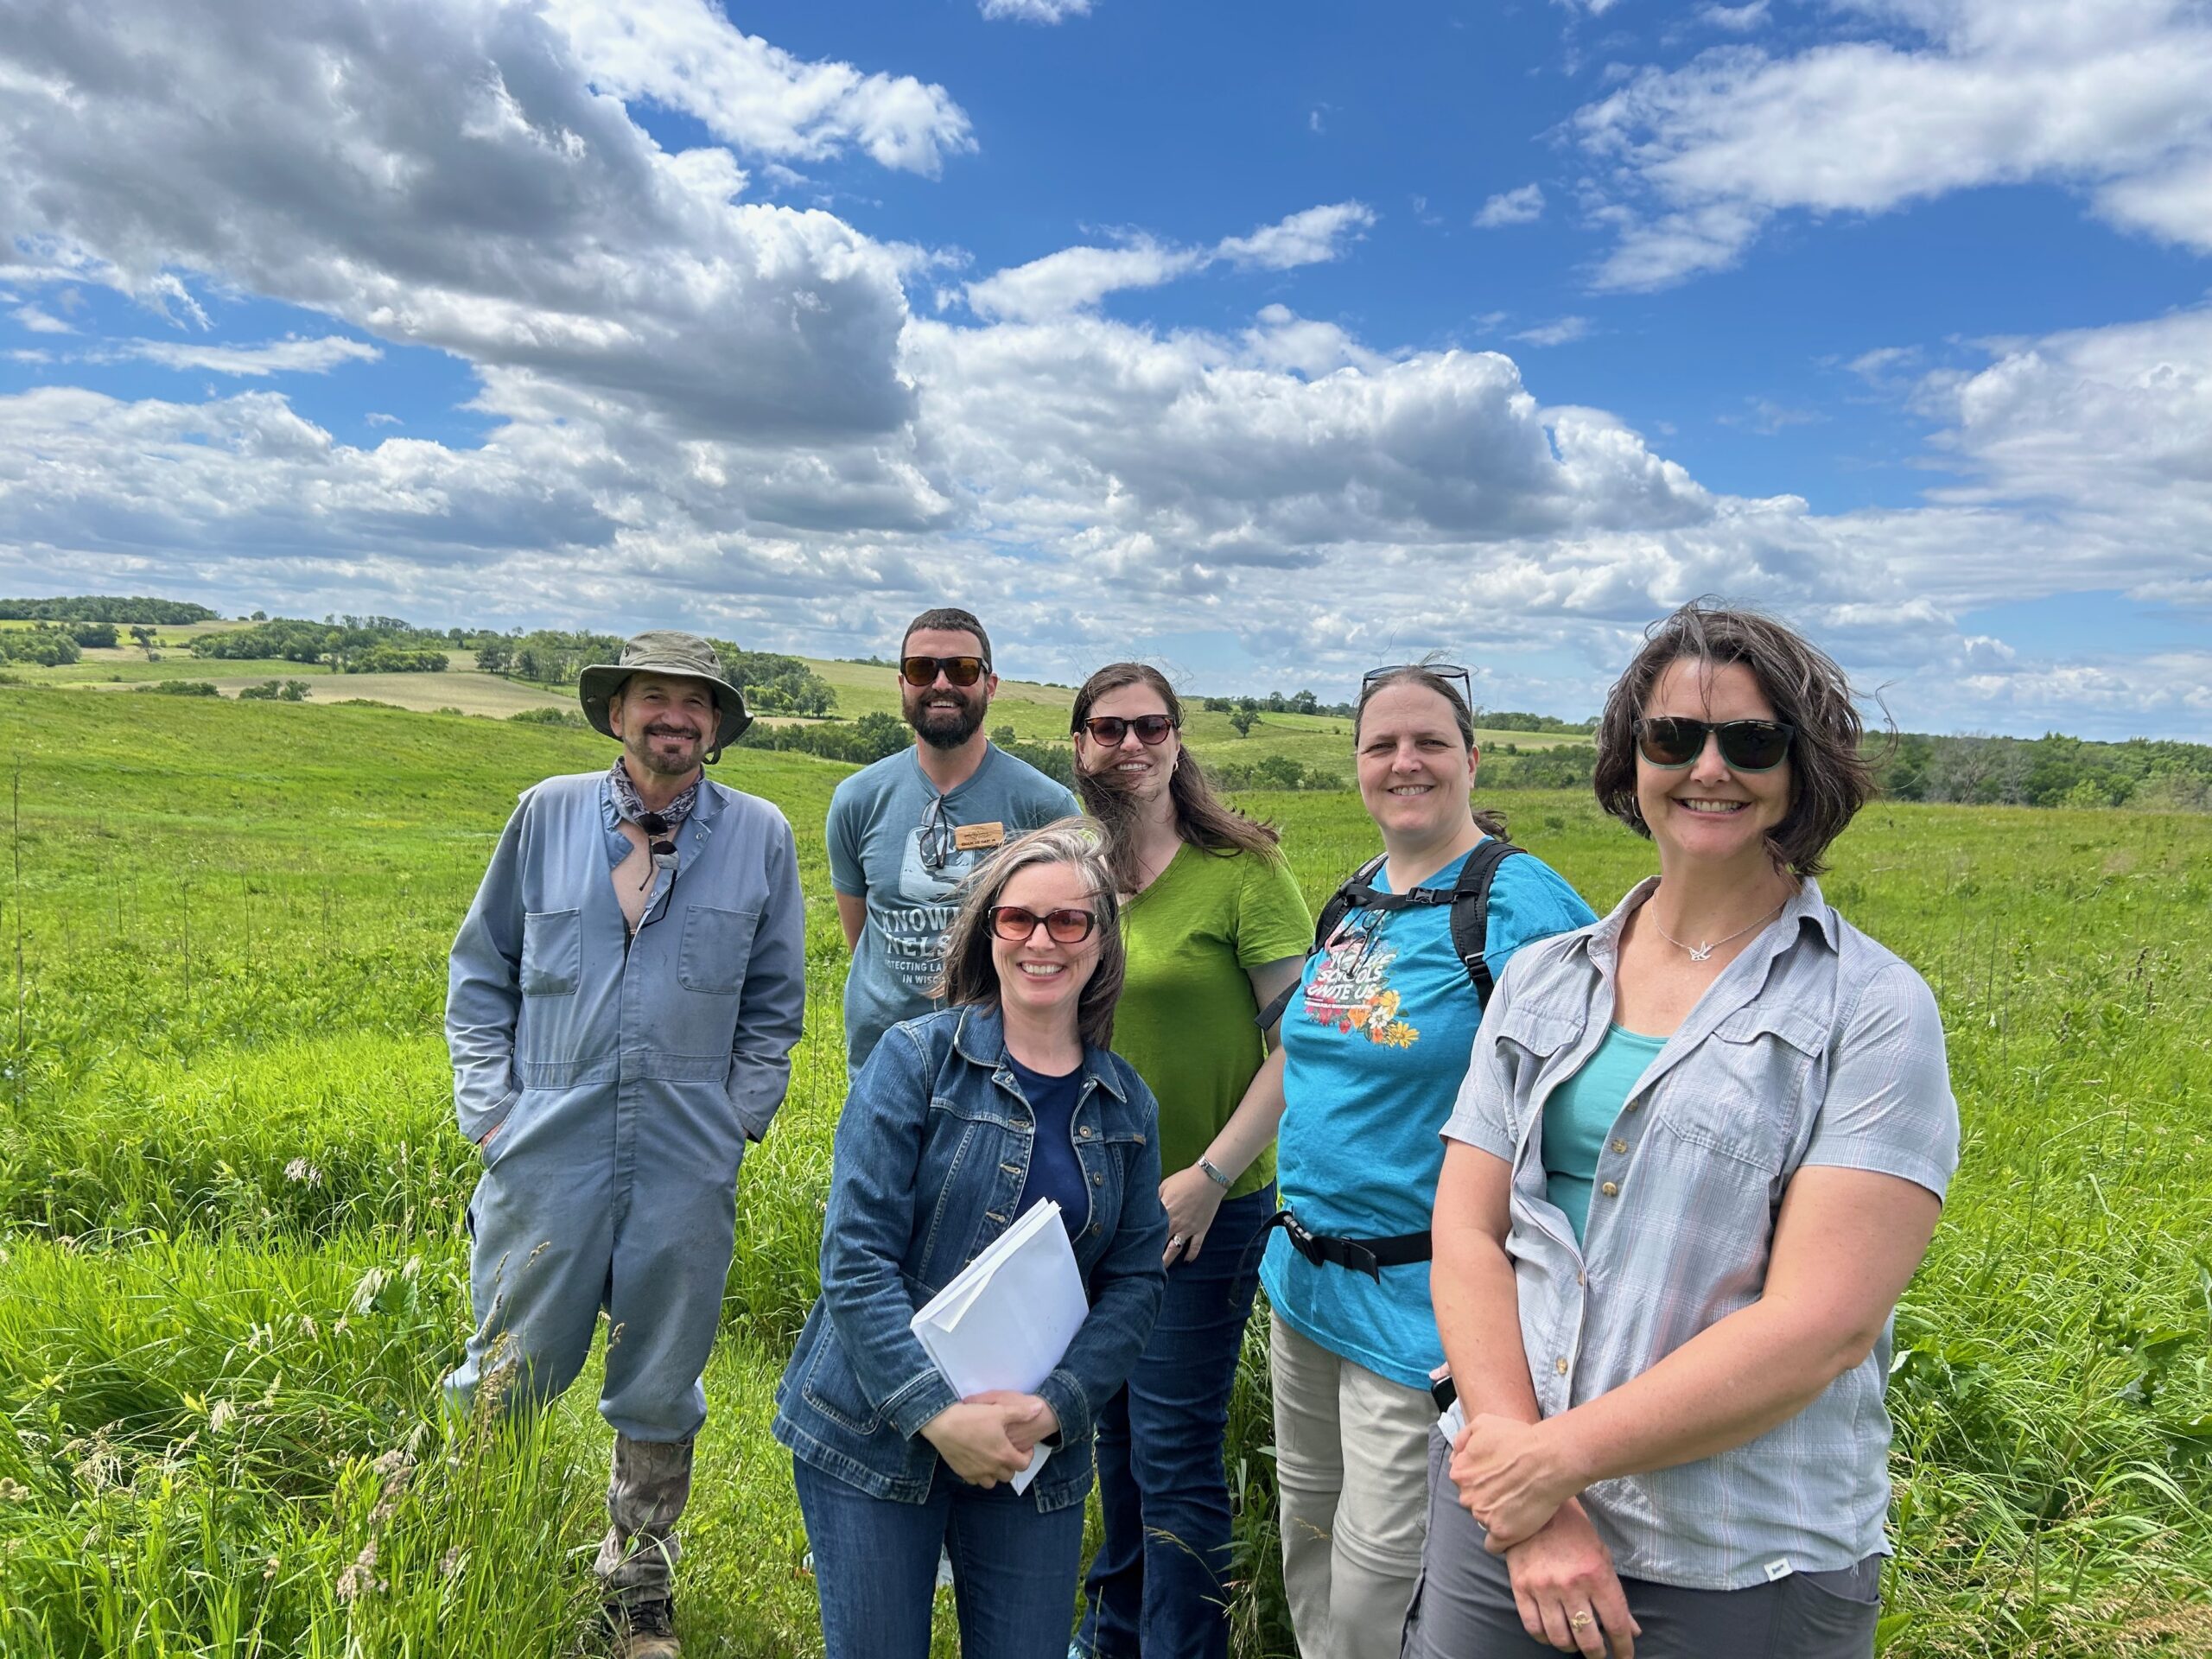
[[105, 608], [2052, 770], [1306, 702], [772, 685], [350, 644]]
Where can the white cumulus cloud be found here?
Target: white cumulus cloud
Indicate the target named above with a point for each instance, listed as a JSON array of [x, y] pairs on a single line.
[[294, 356], [1076, 279], [2105, 97], [1523, 207], [1035, 11], [686, 55]]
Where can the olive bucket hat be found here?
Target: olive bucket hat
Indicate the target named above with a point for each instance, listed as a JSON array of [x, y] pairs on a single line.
[[664, 651]]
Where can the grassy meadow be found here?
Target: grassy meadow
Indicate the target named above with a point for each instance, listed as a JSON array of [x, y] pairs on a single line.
[[232, 1268]]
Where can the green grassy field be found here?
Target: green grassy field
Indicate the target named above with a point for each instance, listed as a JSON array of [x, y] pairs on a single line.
[[231, 1271]]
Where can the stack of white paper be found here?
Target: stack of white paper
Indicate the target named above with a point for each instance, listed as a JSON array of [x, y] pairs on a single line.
[[1005, 1321]]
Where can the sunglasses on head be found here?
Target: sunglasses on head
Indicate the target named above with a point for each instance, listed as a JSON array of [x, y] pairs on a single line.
[[1446, 671], [1675, 742], [919, 672], [1018, 926], [1109, 730]]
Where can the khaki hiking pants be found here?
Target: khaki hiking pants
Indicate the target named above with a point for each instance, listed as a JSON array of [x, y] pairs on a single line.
[[1351, 1458]]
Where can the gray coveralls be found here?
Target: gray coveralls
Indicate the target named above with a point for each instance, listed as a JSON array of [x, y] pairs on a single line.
[[626, 1077]]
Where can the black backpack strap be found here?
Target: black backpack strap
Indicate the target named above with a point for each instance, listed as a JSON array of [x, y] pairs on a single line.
[[1470, 911], [1333, 912]]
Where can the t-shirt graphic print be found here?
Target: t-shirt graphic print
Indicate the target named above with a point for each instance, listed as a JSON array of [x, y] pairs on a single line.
[[1350, 989], [906, 850]]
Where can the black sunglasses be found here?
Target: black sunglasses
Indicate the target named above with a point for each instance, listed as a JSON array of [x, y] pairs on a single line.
[[1446, 671], [936, 835], [1109, 730], [1018, 926], [919, 672], [1674, 741]]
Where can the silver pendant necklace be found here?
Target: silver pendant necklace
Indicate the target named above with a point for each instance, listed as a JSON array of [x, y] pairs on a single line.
[[1700, 952]]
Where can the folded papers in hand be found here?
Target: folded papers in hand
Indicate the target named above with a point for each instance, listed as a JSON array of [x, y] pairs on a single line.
[[1006, 1319]]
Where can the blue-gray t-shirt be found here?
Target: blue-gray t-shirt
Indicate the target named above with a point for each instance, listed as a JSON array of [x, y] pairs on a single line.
[[879, 851]]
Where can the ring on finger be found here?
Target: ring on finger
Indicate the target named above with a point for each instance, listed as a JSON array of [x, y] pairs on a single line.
[[1576, 1621]]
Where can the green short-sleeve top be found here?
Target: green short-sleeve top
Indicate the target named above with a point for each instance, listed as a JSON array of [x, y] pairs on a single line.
[[1184, 1020]]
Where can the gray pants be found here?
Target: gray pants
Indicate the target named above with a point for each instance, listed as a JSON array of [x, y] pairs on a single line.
[[646, 1491], [1464, 1609]]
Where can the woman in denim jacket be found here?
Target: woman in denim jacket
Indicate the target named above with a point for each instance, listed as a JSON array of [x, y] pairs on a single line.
[[960, 1121]]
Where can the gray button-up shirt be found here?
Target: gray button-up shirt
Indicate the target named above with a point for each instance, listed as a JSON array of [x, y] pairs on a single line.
[[1815, 1046]]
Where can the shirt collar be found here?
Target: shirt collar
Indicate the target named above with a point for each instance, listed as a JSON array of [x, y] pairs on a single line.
[[981, 1036], [1603, 942]]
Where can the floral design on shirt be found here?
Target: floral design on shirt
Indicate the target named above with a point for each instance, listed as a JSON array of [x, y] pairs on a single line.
[[1351, 990]]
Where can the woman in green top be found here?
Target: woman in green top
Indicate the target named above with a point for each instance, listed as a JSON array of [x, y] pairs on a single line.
[[1216, 927]]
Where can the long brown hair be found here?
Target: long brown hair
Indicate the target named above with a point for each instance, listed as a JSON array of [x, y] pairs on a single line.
[[1420, 674], [1831, 776], [970, 975], [1201, 817]]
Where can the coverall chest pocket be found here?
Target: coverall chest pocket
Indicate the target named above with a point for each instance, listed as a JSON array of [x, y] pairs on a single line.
[[717, 945], [552, 952]]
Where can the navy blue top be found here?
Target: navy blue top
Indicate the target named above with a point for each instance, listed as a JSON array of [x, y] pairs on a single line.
[[1053, 1171]]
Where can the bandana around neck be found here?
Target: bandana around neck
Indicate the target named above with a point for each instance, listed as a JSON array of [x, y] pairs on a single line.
[[629, 806]]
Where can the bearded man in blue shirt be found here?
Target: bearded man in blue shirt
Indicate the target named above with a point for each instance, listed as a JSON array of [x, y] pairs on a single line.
[[616, 1050]]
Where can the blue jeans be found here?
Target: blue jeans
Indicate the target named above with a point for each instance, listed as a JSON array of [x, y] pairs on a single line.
[[1014, 1567], [1157, 1587]]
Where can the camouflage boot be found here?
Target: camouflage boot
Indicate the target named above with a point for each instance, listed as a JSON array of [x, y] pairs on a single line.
[[645, 1495], [643, 1630]]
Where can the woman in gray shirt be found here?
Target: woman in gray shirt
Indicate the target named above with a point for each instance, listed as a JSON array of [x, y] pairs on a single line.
[[1700, 1150]]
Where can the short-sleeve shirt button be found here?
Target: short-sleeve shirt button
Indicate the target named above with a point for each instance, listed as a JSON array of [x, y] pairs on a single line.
[[1559, 1365], [1610, 1189], [1620, 1146]]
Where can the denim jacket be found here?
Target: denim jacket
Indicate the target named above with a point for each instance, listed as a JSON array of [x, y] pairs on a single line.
[[931, 1153]]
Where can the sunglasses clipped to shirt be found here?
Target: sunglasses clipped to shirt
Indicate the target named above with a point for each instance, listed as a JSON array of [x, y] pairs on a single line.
[[1109, 730], [963, 671], [1672, 741], [1018, 926]]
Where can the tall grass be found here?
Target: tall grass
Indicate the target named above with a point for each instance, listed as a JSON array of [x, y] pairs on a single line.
[[231, 1271]]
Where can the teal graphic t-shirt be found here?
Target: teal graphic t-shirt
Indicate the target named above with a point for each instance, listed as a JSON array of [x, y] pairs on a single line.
[[1375, 1043], [896, 841]]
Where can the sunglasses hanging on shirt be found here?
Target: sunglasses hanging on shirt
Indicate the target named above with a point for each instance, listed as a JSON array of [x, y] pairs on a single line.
[[660, 846]]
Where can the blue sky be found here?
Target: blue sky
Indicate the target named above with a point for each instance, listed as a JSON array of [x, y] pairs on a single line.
[[1265, 341]]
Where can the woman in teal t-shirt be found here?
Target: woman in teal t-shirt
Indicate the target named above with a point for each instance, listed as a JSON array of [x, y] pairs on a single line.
[[1375, 1045], [1215, 928]]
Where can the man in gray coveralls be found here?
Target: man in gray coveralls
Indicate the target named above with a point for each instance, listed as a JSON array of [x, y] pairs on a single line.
[[615, 1049]]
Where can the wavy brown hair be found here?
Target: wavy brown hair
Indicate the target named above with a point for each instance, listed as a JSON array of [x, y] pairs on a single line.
[[972, 978], [1201, 817], [1831, 776], [1420, 674]]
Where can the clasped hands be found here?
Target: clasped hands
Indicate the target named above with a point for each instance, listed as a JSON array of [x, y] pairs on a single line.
[[990, 1437], [1509, 1477], [1512, 1478]]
